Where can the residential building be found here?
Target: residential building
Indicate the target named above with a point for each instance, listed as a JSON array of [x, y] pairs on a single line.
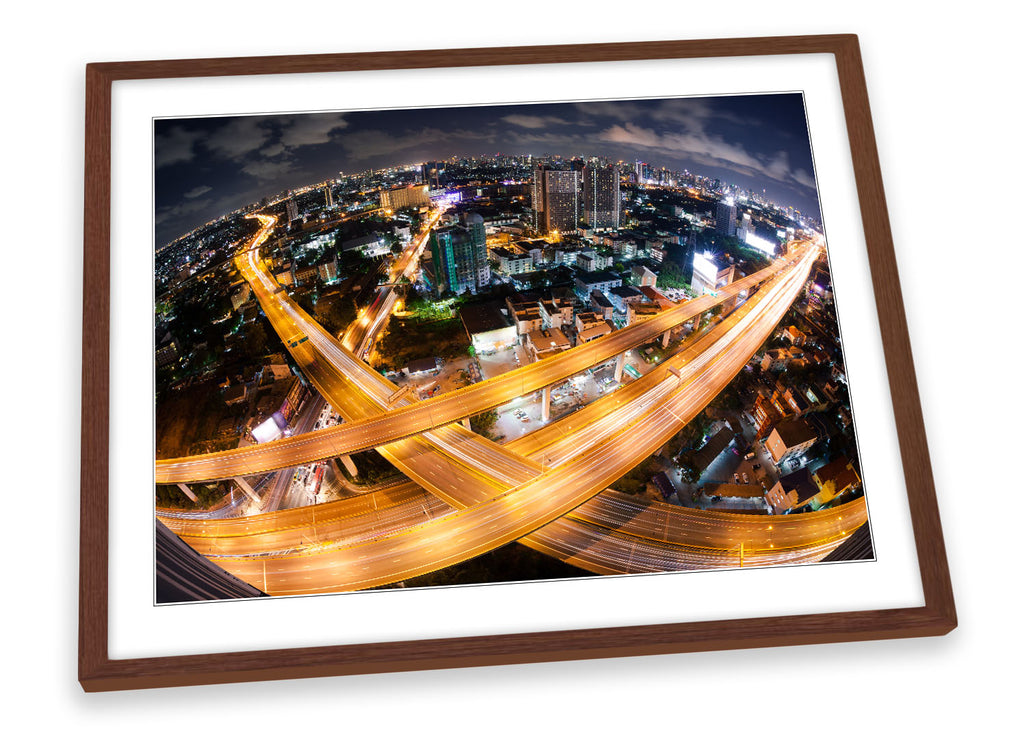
[[590, 325], [623, 295], [601, 304], [643, 277], [460, 257], [546, 342], [602, 281], [725, 219], [556, 199], [411, 196], [640, 311], [788, 439], [511, 262], [601, 198], [834, 479], [791, 491], [555, 313]]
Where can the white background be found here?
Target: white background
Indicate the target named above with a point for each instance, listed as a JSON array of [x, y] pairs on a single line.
[[942, 92], [890, 582]]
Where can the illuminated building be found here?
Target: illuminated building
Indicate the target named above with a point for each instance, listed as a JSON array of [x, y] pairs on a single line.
[[396, 199], [434, 174], [602, 281], [725, 219], [601, 196], [487, 327], [460, 257], [293, 210], [710, 273], [789, 439], [556, 199]]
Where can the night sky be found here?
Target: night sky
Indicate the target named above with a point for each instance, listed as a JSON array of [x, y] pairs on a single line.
[[206, 167]]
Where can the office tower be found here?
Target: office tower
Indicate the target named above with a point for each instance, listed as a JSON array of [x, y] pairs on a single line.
[[556, 199], [460, 256], [328, 197], [601, 196], [293, 210]]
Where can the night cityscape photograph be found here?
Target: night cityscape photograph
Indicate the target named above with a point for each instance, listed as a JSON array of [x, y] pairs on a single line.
[[492, 344]]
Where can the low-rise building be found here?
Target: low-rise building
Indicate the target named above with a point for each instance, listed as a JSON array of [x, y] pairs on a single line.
[[710, 273], [624, 295], [589, 326], [511, 262], [488, 328], [834, 479], [788, 439], [555, 313], [740, 497], [601, 304], [546, 342], [643, 277], [602, 281], [235, 394], [791, 491], [794, 335], [640, 311]]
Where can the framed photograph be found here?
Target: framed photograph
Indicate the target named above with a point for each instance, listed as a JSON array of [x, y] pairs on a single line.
[[469, 357]]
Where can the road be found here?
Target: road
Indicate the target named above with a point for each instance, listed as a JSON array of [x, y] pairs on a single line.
[[577, 473], [408, 418]]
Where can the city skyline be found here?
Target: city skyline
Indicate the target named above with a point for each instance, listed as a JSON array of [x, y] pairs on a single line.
[[207, 167]]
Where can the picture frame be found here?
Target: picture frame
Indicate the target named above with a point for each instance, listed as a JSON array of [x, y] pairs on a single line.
[[98, 671]]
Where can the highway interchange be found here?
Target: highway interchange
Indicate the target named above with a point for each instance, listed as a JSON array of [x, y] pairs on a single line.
[[468, 495]]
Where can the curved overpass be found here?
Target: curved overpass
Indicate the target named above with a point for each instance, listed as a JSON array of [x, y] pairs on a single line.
[[580, 474], [409, 418]]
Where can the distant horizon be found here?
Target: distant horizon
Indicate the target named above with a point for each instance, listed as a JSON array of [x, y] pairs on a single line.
[[208, 167]]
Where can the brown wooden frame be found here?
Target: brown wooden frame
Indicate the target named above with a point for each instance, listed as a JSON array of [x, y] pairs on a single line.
[[97, 672]]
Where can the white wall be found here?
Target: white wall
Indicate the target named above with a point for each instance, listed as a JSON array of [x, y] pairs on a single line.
[[943, 89]]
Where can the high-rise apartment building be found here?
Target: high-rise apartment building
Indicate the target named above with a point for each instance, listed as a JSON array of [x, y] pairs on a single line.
[[601, 199], [460, 257], [293, 210], [434, 174], [556, 199], [396, 199], [725, 219], [328, 197]]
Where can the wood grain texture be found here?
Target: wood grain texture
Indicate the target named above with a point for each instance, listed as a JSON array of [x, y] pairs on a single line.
[[97, 672]]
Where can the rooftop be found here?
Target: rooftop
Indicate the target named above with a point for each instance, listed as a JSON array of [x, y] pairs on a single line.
[[483, 317]]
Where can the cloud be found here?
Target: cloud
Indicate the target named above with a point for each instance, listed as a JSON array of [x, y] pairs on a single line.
[[265, 169], [185, 208], [311, 130], [536, 121], [238, 137], [366, 144], [710, 150], [175, 146], [200, 190]]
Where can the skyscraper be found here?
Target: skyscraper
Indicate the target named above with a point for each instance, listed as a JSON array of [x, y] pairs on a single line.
[[434, 175], [460, 256], [328, 197], [601, 196], [293, 210], [556, 199], [725, 218]]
